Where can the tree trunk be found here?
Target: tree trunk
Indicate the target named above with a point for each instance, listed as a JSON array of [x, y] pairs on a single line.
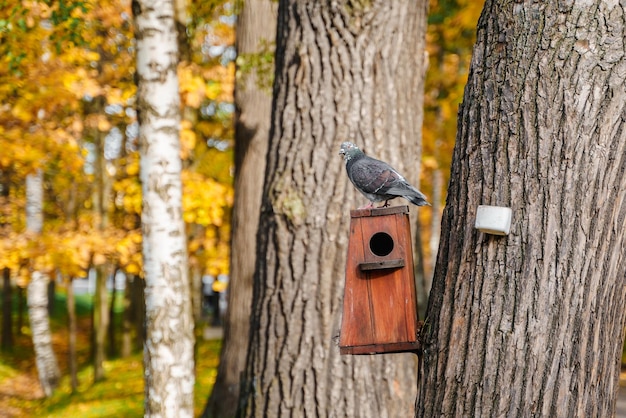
[[71, 324], [101, 194], [169, 346], [112, 346], [7, 289], [344, 71], [37, 297], [7, 310], [139, 310], [100, 323], [256, 33], [532, 324], [20, 309], [51, 296], [47, 366], [195, 274], [127, 319]]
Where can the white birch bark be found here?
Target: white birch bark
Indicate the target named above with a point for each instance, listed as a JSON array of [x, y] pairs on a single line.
[[169, 346], [47, 366]]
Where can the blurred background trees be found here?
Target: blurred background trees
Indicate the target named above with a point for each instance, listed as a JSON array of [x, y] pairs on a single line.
[[68, 95]]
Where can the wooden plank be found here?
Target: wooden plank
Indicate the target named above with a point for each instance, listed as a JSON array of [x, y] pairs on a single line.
[[382, 265], [369, 212], [356, 327]]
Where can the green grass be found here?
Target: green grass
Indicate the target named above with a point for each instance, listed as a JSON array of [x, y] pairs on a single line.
[[120, 394]]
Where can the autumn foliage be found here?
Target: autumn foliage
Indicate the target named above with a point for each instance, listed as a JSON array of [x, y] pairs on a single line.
[[67, 96]]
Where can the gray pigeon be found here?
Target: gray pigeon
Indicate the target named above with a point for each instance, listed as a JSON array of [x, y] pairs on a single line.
[[377, 180]]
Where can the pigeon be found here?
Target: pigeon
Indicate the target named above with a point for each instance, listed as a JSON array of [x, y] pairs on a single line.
[[376, 179]]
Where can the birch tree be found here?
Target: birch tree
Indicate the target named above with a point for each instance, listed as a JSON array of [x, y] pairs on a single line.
[[37, 297], [532, 324], [169, 345]]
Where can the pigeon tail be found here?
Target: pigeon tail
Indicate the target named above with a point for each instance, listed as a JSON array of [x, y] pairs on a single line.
[[417, 199]]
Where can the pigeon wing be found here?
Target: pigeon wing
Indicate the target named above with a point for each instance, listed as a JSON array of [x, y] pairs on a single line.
[[374, 177]]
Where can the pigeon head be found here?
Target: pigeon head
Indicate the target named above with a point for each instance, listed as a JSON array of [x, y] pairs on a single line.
[[349, 150]]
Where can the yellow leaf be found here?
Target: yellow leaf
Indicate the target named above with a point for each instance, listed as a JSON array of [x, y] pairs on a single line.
[[132, 168], [22, 113], [132, 268], [99, 259], [219, 286], [91, 55], [187, 142], [103, 124]]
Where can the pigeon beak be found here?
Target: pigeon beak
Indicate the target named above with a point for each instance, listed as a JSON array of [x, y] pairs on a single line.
[[342, 152]]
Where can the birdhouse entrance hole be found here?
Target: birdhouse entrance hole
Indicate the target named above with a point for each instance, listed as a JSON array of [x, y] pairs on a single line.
[[381, 244]]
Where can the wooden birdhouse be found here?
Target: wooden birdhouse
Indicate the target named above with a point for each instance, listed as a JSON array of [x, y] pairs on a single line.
[[379, 304]]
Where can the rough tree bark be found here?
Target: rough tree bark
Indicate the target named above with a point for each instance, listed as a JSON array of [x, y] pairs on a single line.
[[531, 324], [256, 33], [169, 345], [37, 297], [344, 71]]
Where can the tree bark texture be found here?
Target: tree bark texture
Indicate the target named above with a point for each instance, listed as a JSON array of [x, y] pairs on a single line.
[[532, 324], [256, 31], [169, 345], [344, 71], [37, 296]]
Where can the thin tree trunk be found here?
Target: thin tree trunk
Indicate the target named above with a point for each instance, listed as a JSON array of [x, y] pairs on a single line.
[[127, 318], [139, 310], [20, 309], [532, 324], [47, 365], [419, 271], [7, 310], [101, 193], [7, 289], [51, 296], [71, 319], [100, 323], [256, 33], [435, 230], [195, 273], [169, 346], [344, 71], [111, 331]]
